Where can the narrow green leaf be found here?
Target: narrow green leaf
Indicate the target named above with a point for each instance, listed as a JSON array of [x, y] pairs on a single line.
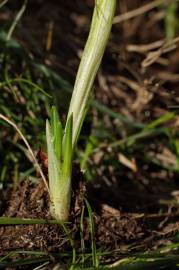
[[161, 120], [3, 3], [16, 20], [171, 20], [67, 148], [23, 261], [25, 221], [54, 119], [82, 236], [69, 236], [58, 140], [92, 231], [53, 164], [57, 132]]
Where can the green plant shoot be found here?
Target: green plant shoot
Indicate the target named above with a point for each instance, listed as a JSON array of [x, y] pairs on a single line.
[[60, 146], [59, 166]]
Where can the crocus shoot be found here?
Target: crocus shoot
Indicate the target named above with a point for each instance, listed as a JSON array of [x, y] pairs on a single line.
[[59, 165], [61, 144]]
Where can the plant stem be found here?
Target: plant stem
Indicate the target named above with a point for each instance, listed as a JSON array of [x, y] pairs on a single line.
[[98, 37]]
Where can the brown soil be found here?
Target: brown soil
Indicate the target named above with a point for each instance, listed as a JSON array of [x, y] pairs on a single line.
[[114, 229]]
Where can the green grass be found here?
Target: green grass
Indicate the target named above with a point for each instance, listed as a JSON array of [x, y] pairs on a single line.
[[171, 20]]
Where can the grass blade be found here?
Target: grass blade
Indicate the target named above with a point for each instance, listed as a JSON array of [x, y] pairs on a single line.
[[82, 236], [25, 221], [3, 3], [16, 20], [92, 230], [161, 120]]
